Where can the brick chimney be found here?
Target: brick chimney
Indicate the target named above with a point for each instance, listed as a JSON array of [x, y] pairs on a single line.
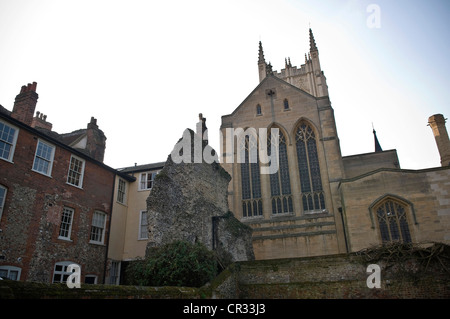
[[25, 104], [96, 141], [40, 120], [437, 124]]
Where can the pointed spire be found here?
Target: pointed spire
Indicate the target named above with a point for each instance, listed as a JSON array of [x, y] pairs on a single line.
[[312, 42], [377, 144], [261, 54]]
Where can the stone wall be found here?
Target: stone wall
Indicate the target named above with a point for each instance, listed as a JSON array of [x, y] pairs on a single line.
[[342, 276], [187, 200], [32, 290], [359, 164], [424, 194]]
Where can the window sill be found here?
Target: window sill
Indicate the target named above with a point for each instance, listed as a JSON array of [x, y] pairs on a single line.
[[96, 243], [76, 186], [315, 212], [282, 214], [7, 160], [249, 218], [122, 204], [47, 175]]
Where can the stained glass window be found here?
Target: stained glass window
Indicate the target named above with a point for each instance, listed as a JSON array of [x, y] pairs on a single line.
[[250, 178], [280, 184], [312, 196], [392, 221]]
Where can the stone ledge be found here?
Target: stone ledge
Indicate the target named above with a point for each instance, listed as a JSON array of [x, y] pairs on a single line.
[[282, 227], [302, 234]]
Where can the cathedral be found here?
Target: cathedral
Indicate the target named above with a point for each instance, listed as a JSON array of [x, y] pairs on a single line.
[[319, 202], [60, 204]]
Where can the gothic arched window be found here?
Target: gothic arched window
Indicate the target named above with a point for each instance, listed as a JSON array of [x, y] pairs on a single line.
[[391, 217], [280, 184], [308, 165], [250, 178]]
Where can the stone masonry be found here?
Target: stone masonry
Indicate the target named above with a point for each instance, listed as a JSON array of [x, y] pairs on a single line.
[[189, 202]]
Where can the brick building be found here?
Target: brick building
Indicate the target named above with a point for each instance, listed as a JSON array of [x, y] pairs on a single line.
[[55, 196]]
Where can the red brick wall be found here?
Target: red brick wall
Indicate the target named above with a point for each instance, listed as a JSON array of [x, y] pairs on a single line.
[[33, 207]]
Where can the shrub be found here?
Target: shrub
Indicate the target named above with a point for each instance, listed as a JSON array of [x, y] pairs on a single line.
[[175, 264]]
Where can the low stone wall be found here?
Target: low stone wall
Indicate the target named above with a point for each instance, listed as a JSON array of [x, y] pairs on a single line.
[[337, 276], [423, 275], [31, 290]]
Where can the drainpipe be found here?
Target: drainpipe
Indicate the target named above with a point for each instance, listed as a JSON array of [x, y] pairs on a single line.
[[109, 227]]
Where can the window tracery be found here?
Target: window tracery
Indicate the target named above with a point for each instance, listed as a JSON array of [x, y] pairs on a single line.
[[250, 179], [392, 222], [312, 195], [280, 184]]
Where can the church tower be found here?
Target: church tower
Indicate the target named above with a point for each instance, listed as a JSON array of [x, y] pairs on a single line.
[[309, 76], [293, 209]]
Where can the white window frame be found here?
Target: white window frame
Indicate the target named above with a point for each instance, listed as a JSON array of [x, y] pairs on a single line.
[[69, 231], [114, 272], [143, 180], [3, 192], [52, 155], [63, 272], [12, 143], [83, 163], [10, 269], [96, 224], [140, 233], [122, 195]]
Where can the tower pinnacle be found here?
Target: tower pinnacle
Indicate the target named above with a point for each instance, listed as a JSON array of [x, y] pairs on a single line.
[[262, 65], [312, 42], [261, 54], [377, 144]]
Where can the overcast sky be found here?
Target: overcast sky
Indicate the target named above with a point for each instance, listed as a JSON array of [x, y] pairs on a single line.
[[146, 69]]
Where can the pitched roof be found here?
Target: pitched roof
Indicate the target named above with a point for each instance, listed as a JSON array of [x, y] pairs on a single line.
[[55, 138], [142, 168]]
